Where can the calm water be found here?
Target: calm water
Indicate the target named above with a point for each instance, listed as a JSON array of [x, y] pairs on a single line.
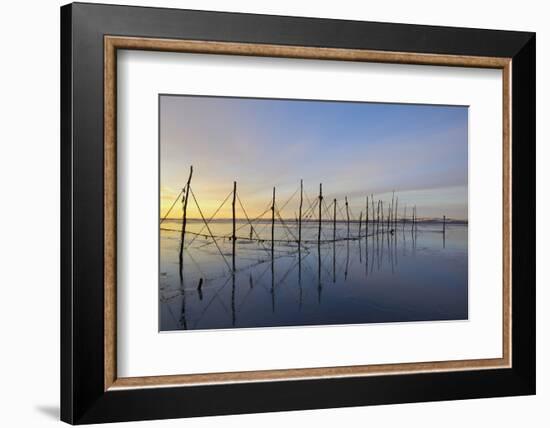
[[384, 278]]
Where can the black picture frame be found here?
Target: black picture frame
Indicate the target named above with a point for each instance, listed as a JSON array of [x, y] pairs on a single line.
[[83, 398]]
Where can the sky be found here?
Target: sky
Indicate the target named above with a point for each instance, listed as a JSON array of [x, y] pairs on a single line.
[[354, 149]]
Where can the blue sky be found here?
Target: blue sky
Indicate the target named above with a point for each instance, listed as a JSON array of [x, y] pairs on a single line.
[[354, 149]]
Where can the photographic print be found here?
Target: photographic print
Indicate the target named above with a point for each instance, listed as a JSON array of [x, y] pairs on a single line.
[[287, 212]]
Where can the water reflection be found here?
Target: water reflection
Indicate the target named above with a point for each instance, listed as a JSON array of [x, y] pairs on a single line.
[[410, 274]]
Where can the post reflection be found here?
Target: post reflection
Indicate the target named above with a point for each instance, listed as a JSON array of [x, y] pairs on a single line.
[[250, 296]]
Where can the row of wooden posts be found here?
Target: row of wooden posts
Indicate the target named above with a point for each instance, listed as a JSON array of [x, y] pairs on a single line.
[[377, 218]]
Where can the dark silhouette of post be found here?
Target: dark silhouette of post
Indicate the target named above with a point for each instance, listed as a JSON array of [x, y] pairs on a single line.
[[273, 226], [347, 214], [184, 219], [233, 235], [360, 219], [320, 208], [300, 213], [334, 223]]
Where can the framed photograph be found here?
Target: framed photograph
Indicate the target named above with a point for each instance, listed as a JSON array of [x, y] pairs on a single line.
[[265, 213]]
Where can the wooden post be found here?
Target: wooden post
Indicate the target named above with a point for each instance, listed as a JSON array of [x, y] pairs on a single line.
[[300, 213], [347, 213], [184, 219], [334, 223], [320, 209], [273, 225], [360, 218], [233, 235]]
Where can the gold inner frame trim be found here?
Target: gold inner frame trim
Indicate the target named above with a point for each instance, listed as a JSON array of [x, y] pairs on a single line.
[[113, 43]]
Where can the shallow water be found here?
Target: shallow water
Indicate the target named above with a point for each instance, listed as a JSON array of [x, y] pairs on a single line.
[[397, 277]]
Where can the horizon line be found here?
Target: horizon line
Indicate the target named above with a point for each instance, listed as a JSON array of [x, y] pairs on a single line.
[[425, 219]]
